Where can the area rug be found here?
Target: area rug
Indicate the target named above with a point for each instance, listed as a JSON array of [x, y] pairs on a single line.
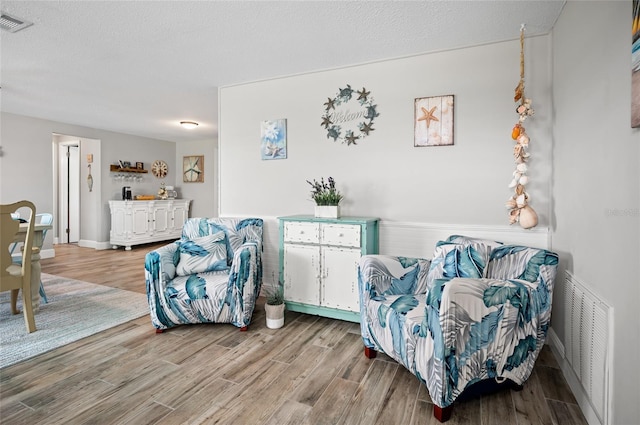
[[75, 310]]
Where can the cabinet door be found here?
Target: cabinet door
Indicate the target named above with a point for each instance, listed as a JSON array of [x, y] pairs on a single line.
[[160, 219], [302, 273], [118, 220], [180, 213], [140, 220], [340, 278]]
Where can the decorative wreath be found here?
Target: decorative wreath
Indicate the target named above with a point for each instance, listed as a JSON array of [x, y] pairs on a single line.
[[366, 113]]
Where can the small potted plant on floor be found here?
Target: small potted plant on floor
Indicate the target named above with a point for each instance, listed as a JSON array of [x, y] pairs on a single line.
[[326, 197], [274, 306]]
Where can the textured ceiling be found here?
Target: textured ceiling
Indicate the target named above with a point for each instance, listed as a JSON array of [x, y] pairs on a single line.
[[139, 67]]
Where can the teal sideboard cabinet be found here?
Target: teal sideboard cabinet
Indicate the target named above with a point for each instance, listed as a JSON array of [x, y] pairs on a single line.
[[319, 263]]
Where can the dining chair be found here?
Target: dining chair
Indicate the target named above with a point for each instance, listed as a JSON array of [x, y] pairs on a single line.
[[42, 218], [14, 277]]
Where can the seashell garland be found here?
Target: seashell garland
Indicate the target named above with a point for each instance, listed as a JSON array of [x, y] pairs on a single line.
[[518, 204]]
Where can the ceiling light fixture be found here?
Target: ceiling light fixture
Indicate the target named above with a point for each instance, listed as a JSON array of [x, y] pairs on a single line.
[[189, 124]]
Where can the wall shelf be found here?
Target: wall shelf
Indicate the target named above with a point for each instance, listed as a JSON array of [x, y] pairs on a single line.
[[116, 169]]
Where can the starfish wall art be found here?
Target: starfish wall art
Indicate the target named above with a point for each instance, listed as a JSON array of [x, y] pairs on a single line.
[[433, 125]]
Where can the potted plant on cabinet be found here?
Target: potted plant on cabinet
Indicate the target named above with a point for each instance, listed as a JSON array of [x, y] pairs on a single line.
[[274, 306], [326, 197]]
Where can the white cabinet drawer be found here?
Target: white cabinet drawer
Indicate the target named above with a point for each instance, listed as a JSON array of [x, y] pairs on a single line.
[[303, 232], [341, 235]]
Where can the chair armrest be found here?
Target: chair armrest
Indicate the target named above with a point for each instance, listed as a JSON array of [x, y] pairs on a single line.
[[245, 279], [160, 268], [381, 275], [389, 275]]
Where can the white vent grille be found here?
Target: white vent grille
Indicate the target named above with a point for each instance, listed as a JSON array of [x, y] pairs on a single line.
[[588, 342], [12, 24]]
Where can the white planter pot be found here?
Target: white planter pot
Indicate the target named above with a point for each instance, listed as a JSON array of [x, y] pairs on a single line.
[[327, 211], [275, 315]]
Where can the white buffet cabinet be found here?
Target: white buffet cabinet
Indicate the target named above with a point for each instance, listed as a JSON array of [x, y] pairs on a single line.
[[138, 222], [319, 263]]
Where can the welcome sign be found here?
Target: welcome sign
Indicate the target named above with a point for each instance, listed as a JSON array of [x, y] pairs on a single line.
[[348, 117]]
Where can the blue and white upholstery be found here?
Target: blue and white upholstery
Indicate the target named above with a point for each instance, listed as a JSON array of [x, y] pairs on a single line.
[[477, 310], [212, 274]]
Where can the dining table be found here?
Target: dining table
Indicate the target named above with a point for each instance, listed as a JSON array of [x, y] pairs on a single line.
[[36, 270]]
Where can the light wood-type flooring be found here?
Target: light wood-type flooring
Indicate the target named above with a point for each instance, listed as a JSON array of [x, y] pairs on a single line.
[[311, 371]]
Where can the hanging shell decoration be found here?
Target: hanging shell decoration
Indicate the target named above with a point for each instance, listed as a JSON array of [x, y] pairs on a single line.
[[518, 204]]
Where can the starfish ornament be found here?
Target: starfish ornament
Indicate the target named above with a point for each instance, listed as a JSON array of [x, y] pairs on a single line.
[[366, 128], [428, 115], [330, 104], [362, 95], [351, 139], [326, 122]]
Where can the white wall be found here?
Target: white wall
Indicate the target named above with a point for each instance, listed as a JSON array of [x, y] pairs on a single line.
[[385, 175], [26, 166], [596, 182], [204, 199]]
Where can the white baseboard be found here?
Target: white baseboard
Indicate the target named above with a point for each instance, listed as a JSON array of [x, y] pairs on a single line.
[[47, 253], [576, 388], [94, 244], [556, 345]]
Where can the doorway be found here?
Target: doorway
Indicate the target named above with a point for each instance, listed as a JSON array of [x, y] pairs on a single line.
[[69, 192]]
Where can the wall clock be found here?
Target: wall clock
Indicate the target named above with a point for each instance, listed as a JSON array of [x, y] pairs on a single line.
[[193, 169], [159, 168]]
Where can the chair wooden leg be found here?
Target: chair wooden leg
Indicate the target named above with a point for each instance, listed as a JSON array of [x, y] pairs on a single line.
[[244, 329], [27, 308], [370, 353], [14, 301], [442, 414]]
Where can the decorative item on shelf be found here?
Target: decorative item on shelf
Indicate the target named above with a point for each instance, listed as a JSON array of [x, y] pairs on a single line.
[[139, 165], [90, 179], [159, 168], [349, 118], [518, 204], [326, 197], [274, 306], [162, 192]]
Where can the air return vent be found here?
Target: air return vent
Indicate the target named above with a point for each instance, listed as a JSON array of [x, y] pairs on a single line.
[[588, 342], [12, 24]]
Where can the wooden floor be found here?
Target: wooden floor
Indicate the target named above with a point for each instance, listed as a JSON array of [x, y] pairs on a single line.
[[311, 371]]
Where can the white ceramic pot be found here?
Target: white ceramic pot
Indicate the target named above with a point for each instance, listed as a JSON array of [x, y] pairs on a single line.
[[327, 211], [275, 315]]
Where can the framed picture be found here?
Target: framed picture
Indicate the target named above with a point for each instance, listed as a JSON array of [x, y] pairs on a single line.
[[193, 169], [139, 165], [126, 164], [635, 65], [433, 123], [273, 139]]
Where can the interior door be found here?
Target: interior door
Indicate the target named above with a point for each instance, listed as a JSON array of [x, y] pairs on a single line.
[[69, 193]]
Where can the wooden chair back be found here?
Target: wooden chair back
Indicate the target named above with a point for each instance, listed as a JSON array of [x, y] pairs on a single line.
[[17, 276]]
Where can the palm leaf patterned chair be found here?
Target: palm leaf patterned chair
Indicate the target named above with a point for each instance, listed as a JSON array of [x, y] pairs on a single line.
[[478, 310], [212, 274]]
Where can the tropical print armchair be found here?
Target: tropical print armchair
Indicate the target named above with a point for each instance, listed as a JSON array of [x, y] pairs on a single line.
[[477, 310], [212, 274]]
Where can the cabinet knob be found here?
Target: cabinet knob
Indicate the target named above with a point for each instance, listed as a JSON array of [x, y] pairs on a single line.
[[340, 235]]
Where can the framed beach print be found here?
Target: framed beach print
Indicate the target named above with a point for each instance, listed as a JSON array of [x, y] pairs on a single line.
[[273, 139], [433, 121], [193, 169]]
